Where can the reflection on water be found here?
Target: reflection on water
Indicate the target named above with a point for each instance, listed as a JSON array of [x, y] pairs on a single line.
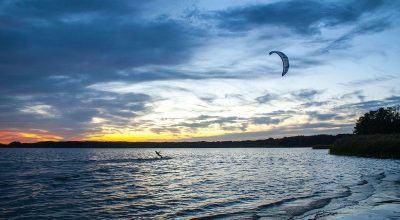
[[188, 183]]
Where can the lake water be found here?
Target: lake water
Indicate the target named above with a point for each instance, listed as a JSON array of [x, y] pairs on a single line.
[[194, 183]]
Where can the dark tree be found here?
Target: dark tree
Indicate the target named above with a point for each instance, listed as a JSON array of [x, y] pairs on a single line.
[[381, 121]]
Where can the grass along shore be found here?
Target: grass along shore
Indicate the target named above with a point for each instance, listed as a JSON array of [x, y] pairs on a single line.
[[379, 146]]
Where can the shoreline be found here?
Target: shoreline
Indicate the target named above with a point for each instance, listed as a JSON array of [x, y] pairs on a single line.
[[382, 203], [285, 142], [375, 146]]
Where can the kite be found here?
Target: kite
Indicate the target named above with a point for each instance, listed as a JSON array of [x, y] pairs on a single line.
[[285, 61]]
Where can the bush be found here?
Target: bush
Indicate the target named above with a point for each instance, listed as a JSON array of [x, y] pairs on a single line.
[[380, 146]]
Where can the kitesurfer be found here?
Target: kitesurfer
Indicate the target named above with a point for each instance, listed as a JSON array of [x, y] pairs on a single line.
[[159, 154]]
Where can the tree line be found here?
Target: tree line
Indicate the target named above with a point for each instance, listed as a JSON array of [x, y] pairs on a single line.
[[295, 141], [381, 121]]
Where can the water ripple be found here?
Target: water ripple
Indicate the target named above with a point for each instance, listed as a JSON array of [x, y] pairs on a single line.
[[187, 183]]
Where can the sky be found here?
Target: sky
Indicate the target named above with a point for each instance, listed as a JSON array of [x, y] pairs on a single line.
[[193, 70]]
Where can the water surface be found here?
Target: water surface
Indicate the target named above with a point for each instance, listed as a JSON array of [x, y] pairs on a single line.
[[191, 183]]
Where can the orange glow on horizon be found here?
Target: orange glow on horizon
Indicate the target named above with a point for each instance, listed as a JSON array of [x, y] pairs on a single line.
[[125, 135], [147, 136], [7, 137], [130, 137]]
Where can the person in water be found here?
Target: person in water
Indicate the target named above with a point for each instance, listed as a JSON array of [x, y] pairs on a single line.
[[159, 154]]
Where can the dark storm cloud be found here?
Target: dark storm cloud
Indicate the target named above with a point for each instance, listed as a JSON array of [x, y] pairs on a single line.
[[40, 12], [86, 41], [302, 17], [104, 40], [100, 47]]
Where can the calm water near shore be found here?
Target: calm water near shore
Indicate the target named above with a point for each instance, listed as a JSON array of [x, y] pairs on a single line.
[[195, 183]]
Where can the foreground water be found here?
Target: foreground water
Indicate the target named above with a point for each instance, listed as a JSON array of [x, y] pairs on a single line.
[[195, 183]]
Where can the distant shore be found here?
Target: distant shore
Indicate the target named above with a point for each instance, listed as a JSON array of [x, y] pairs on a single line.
[[378, 146], [295, 141]]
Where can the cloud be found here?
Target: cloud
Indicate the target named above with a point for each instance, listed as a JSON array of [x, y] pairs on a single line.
[[50, 51], [324, 116], [265, 120], [305, 94], [305, 62], [208, 98], [86, 43], [266, 98], [358, 94], [166, 129], [372, 104], [314, 104], [45, 111], [101, 46], [305, 17], [300, 129], [204, 121], [48, 9], [368, 27], [280, 114], [369, 81], [29, 136], [59, 58], [70, 114]]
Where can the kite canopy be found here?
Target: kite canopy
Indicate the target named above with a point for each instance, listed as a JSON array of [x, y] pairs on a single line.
[[285, 61]]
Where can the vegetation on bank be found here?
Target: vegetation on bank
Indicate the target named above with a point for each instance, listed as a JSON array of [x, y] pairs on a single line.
[[376, 134], [295, 141], [322, 146], [379, 145]]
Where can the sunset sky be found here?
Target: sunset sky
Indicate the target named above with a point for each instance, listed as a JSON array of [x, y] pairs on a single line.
[[193, 70]]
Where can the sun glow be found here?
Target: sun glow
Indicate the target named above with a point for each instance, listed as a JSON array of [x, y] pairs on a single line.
[[10, 136], [164, 135], [148, 136]]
